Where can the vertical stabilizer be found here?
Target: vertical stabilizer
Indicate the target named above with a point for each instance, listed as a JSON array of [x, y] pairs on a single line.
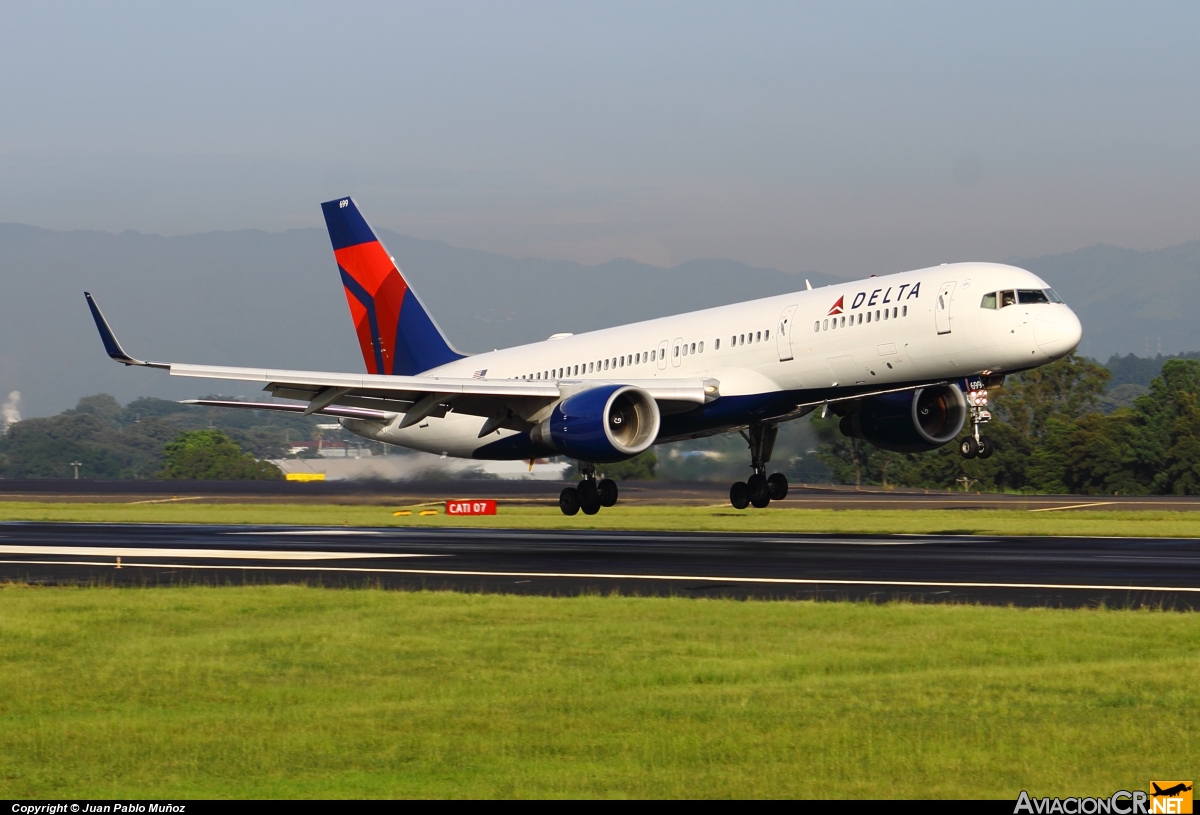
[[395, 331]]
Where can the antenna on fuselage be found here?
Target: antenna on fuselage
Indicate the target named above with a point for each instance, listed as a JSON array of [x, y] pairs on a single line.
[[807, 285]]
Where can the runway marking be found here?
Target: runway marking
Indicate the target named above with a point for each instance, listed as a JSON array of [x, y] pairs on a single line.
[[1074, 506], [168, 500], [311, 532], [228, 554], [781, 581]]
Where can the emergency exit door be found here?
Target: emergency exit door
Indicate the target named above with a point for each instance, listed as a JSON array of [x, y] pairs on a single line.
[[941, 307]]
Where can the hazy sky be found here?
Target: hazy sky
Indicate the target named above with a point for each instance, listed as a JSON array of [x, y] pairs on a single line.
[[841, 137]]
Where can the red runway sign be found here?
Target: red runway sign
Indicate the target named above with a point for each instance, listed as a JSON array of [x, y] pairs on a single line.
[[487, 507]]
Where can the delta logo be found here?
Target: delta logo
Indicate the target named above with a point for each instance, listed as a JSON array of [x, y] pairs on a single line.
[[875, 298]]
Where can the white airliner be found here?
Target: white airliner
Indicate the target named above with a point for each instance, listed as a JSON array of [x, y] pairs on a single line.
[[892, 355]]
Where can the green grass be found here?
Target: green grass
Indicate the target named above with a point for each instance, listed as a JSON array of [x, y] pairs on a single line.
[[1151, 523], [289, 691]]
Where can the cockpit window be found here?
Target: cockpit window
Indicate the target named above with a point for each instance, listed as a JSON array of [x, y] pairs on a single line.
[[989, 301], [1008, 298], [1054, 298], [1029, 296]]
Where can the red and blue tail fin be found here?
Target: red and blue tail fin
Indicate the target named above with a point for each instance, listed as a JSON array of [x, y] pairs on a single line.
[[395, 332]]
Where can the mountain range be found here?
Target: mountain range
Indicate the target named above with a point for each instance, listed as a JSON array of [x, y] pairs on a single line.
[[273, 299]]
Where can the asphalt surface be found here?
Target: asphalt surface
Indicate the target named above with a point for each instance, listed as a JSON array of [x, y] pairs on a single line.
[[1064, 572]]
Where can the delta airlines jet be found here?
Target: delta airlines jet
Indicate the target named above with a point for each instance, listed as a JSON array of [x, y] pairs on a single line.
[[904, 359]]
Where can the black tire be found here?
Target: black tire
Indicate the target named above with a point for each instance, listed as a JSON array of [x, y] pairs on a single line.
[[589, 497], [739, 495], [760, 493], [777, 486], [608, 492], [968, 447], [568, 501], [590, 504], [986, 447]]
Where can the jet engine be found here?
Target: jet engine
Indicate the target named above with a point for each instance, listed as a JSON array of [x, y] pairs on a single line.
[[909, 421], [602, 424]]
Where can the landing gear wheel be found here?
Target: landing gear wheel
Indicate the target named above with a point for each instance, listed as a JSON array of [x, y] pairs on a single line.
[[608, 492], [777, 486], [589, 497], [968, 447], [986, 447], [739, 495], [568, 501], [760, 493]]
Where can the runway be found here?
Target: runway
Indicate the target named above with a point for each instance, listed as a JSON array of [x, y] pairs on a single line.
[[1066, 572]]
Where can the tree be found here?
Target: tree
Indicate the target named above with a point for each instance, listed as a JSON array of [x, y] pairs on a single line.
[[211, 455], [639, 468]]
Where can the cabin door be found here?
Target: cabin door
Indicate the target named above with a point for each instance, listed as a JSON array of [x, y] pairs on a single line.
[[941, 307], [783, 334]]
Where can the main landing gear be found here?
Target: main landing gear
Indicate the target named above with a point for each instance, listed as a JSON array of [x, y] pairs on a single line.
[[976, 444], [759, 489], [590, 495]]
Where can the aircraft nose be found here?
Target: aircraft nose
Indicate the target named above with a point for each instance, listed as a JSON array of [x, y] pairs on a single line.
[[1057, 332]]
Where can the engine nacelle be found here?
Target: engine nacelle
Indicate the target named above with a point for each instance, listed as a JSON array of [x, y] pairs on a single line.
[[602, 424], [909, 421]]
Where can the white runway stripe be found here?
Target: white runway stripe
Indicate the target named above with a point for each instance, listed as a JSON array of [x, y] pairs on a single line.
[[274, 532], [226, 554], [782, 581]]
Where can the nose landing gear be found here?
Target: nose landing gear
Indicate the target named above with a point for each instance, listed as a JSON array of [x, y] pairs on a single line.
[[977, 444], [759, 490], [590, 495]]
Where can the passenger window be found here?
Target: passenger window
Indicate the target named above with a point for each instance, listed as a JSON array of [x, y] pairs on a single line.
[[767, 334], [758, 337], [885, 314], [1031, 296], [591, 367], [1008, 298], [701, 346], [685, 349], [741, 339], [895, 312], [876, 316], [817, 325], [868, 316], [653, 354], [717, 344], [676, 350], [843, 325], [693, 348], [989, 301], [826, 326], [904, 311]]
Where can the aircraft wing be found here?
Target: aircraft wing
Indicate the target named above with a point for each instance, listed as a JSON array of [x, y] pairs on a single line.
[[415, 396]]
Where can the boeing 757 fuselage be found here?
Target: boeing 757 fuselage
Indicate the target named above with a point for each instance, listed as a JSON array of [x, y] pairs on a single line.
[[905, 360]]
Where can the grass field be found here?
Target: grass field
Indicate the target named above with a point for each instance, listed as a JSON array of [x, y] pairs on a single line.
[[289, 691], [1152, 523]]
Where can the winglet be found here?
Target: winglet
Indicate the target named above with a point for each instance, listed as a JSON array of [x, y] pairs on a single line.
[[109, 339]]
